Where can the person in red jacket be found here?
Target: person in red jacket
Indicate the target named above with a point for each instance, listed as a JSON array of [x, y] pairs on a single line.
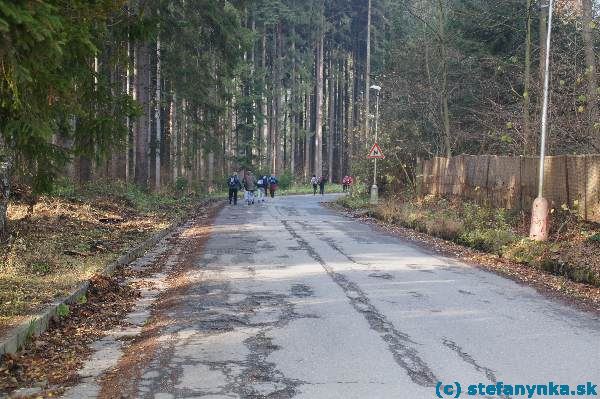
[[345, 183], [273, 185]]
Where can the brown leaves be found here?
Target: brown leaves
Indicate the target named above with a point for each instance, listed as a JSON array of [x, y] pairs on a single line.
[[66, 240], [56, 355]]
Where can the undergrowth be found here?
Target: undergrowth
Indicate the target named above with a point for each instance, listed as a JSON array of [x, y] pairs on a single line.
[[73, 233]]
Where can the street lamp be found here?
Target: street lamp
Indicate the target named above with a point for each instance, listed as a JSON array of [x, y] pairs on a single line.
[[539, 213], [374, 188]]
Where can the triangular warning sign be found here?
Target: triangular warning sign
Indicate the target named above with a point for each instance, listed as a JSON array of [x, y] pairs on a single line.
[[376, 152]]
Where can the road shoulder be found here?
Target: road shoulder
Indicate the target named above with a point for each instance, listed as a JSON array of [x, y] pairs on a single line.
[[582, 296]]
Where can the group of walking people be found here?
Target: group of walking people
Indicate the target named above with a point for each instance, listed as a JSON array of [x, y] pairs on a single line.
[[319, 182], [254, 189], [258, 189]]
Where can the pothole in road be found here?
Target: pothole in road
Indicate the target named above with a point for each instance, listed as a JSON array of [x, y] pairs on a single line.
[[385, 276], [426, 271], [301, 290], [261, 379], [260, 311]]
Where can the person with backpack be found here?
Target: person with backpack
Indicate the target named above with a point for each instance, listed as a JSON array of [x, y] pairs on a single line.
[[315, 182], [262, 184], [273, 185], [250, 187], [322, 180], [234, 184]]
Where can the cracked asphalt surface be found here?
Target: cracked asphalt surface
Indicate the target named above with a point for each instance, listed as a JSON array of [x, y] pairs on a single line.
[[292, 300]]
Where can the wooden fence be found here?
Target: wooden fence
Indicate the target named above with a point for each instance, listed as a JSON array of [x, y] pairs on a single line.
[[511, 182]]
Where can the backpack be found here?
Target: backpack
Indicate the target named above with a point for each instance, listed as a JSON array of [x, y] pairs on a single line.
[[233, 182], [260, 182]]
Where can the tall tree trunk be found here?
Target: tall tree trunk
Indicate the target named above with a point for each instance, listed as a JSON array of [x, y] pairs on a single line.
[[444, 89], [85, 165], [183, 139], [158, 101], [352, 120], [293, 109], [174, 131], [331, 128], [247, 132], [307, 137], [357, 109], [293, 138], [118, 157], [590, 70], [130, 151], [319, 105], [211, 171], [264, 160], [201, 167], [367, 75], [142, 61], [255, 133], [274, 102], [285, 130], [346, 148], [528, 147], [230, 142], [280, 136], [272, 127], [6, 166], [341, 117]]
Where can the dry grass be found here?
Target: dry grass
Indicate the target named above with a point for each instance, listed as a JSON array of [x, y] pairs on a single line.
[[68, 239]]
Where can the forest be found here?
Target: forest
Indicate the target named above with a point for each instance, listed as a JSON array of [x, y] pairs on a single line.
[[166, 94]]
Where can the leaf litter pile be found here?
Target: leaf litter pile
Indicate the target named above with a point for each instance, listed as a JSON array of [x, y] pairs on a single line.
[[51, 361]]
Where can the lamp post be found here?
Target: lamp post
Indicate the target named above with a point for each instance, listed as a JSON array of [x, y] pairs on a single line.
[[374, 188], [539, 213]]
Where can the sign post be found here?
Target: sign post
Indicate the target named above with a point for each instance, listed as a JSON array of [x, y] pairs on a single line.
[[375, 151], [375, 154]]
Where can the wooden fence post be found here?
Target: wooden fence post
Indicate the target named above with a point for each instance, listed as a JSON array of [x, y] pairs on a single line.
[[520, 182], [585, 191], [487, 181], [567, 181]]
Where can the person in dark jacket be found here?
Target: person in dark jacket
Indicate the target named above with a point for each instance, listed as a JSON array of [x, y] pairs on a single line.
[[273, 185], [234, 184], [262, 184], [322, 181], [315, 183]]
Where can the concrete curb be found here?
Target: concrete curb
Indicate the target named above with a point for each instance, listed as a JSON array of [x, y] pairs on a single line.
[[18, 336]]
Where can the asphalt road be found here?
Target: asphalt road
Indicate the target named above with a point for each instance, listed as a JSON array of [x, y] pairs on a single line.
[[290, 299]]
